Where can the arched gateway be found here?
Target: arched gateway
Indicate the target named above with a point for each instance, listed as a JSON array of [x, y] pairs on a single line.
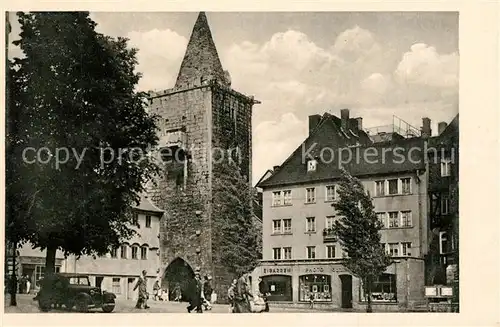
[[178, 274]]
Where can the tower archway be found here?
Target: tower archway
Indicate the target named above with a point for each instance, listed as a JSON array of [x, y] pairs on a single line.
[[177, 275]]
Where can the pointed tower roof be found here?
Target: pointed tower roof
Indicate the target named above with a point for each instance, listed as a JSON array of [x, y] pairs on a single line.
[[201, 60]]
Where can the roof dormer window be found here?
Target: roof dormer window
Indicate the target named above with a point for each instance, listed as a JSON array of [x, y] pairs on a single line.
[[311, 165]]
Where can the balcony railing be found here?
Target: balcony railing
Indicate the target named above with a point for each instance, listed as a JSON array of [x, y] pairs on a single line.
[[329, 235]]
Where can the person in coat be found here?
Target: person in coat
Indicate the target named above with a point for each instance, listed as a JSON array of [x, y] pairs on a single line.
[[230, 295], [242, 295], [142, 300], [195, 294], [156, 290], [264, 292], [207, 292]]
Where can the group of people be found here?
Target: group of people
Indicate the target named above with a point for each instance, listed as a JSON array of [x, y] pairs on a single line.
[[240, 295], [199, 293]]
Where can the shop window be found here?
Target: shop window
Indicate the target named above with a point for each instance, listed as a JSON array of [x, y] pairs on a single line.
[[280, 287], [315, 286], [39, 272], [383, 289]]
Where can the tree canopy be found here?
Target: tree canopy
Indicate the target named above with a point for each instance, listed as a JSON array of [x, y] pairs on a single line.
[[77, 136], [358, 232]]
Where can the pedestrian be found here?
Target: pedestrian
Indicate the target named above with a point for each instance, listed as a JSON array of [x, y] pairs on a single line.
[[264, 292], [28, 285], [230, 295], [242, 295], [311, 300], [142, 300], [177, 293], [156, 289], [207, 292], [195, 294]]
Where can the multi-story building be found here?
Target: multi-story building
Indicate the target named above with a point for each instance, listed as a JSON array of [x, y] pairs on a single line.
[[301, 256], [201, 117], [118, 270]]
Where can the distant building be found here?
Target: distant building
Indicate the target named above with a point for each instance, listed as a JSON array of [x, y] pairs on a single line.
[[118, 270], [302, 257]]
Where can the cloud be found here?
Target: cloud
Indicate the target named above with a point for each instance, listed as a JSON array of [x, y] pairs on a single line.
[[160, 55], [424, 65]]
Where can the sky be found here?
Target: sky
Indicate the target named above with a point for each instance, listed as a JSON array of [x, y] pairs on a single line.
[[377, 64]]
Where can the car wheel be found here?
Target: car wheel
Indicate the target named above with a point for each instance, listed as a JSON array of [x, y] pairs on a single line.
[[82, 305], [109, 306], [44, 305]]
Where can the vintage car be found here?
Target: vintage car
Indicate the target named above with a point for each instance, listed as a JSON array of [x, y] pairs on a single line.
[[73, 290]]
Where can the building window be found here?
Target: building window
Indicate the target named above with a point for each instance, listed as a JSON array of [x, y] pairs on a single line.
[[287, 197], [406, 249], [116, 286], [329, 222], [276, 198], [393, 186], [277, 226], [310, 225], [135, 219], [330, 251], [277, 253], [134, 252], [311, 252], [148, 221], [406, 219], [445, 205], [331, 195], [287, 253], [443, 242], [311, 165], [394, 249], [380, 188], [287, 225], [310, 195], [383, 289], [315, 287], [144, 253], [280, 287], [381, 216], [445, 167], [114, 252], [393, 219], [406, 185], [124, 251]]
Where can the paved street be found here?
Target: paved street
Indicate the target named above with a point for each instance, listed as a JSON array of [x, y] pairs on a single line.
[[25, 304]]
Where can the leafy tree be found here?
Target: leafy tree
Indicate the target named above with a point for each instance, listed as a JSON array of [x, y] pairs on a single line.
[[358, 233], [235, 231], [73, 98]]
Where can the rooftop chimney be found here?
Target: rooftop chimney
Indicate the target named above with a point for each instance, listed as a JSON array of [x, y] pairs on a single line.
[[441, 127], [344, 118], [313, 122], [426, 127]]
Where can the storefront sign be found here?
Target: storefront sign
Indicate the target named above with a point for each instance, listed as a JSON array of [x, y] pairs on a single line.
[[314, 270], [277, 270]]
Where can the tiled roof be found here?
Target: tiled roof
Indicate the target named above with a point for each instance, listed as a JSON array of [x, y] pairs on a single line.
[[146, 205], [367, 159]]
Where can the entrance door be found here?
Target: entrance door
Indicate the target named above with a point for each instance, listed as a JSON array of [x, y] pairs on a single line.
[[346, 299], [98, 281], [130, 288]]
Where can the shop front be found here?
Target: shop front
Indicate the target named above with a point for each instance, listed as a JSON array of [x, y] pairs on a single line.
[[34, 268]]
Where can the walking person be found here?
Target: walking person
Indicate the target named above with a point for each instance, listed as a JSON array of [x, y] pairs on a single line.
[[230, 295], [242, 295], [156, 290], [142, 300], [195, 294], [264, 292], [207, 292], [28, 284]]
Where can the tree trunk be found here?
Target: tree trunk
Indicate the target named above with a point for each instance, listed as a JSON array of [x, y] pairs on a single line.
[[13, 279], [50, 260], [368, 293]]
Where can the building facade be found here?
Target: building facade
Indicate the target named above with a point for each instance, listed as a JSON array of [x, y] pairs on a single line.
[[119, 270], [301, 256], [201, 117]]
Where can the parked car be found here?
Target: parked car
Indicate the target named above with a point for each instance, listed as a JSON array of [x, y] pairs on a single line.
[[73, 290]]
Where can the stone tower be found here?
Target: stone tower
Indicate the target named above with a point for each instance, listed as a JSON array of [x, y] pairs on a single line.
[[201, 113]]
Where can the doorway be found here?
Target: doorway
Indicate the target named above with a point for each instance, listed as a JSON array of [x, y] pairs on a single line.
[[130, 288], [346, 297], [177, 278], [98, 281]]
